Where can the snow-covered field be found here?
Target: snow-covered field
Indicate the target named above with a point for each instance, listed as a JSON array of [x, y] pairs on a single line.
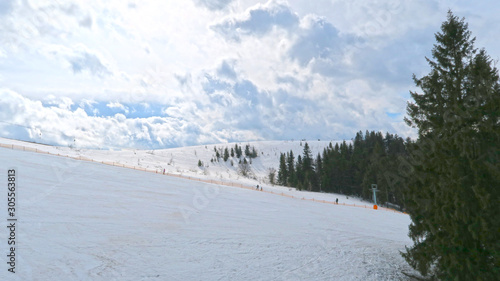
[[80, 220]]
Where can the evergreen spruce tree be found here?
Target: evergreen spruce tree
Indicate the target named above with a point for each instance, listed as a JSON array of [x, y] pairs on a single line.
[[327, 169], [247, 150], [299, 172], [374, 173], [237, 150], [318, 172], [226, 154], [292, 176], [282, 172], [454, 184], [253, 154], [307, 167], [358, 161], [307, 157]]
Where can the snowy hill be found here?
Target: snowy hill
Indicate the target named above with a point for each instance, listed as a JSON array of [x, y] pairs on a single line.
[[79, 220], [184, 161]]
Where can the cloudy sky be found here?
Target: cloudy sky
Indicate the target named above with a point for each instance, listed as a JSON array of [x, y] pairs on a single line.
[[158, 74]]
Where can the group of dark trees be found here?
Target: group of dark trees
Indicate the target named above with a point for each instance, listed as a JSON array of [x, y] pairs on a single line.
[[349, 168], [236, 151]]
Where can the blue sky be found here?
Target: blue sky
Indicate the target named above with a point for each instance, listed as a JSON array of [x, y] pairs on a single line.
[[158, 74]]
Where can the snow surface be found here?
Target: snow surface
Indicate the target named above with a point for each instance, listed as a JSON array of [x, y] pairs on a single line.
[[80, 220]]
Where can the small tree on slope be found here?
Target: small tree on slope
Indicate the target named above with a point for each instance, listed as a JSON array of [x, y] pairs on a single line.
[[454, 184]]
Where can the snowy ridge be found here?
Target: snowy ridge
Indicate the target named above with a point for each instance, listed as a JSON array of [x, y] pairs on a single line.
[[183, 162]]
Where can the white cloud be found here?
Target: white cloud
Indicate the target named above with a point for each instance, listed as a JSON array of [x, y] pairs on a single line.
[[60, 102], [78, 59], [31, 120], [86, 61], [119, 106], [258, 20], [320, 40]]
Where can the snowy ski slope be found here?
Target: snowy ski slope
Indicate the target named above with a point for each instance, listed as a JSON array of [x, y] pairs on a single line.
[[183, 161], [80, 220]]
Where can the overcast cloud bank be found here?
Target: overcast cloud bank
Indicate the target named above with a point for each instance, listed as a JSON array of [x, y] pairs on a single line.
[[156, 75]]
